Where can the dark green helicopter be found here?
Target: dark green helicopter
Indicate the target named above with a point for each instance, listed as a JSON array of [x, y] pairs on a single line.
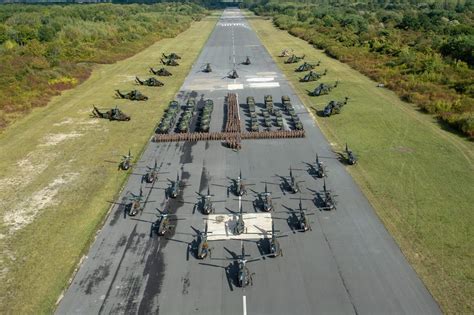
[[126, 162], [152, 174], [329, 201], [290, 184], [264, 200], [136, 203], [163, 225], [271, 246], [149, 82], [233, 74], [244, 276], [302, 221], [351, 158], [238, 187], [319, 168], [201, 245], [174, 188], [247, 61], [205, 204], [207, 68], [323, 89], [239, 227], [161, 72]]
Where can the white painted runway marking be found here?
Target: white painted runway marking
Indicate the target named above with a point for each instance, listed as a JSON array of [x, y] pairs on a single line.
[[244, 302], [235, 86], [267, 79], [264, 85]]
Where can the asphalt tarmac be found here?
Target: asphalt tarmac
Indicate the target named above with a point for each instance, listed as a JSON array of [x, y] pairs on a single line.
[[347, 264]]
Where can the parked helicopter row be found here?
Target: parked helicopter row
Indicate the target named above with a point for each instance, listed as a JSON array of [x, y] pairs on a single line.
[[206, 68]]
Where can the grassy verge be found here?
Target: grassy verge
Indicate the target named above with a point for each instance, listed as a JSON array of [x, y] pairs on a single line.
[[54, 181], [418, 177]]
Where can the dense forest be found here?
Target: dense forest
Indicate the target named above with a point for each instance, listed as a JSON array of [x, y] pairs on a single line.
[[424, 52], [46, 49]]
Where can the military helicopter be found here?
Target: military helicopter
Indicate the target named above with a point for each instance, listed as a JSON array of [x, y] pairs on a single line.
[[329, 201], [163, 225], [149, 82], [301, 222], [201, 245], [294, 59], [207, 68], [171, 56], [169, 62], [206, 204], [126, 162], [233, 74], [239, 227], [134, 95], [135, 204], [323, 89], [174, 188], [334, 107], [320, 170], [247, 61], [244, 276], [291, 185], [313, 76], [152, 174], [238, 187], [271, 246], [351, 158], [264, 200], [306, 66], [161, 72], [111, 114]]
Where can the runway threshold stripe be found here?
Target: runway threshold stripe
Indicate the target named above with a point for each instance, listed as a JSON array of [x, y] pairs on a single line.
[[244, 301]]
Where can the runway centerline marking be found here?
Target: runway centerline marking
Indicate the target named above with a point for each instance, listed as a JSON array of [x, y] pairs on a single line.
[[244, 302]]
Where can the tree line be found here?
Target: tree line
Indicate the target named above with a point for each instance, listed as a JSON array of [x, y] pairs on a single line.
[[422, 51]]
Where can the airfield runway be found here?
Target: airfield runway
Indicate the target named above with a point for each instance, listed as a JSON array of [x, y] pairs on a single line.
[[347, 264]]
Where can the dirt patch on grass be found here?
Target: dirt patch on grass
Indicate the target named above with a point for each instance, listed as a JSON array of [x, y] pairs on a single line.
[[53, 139]]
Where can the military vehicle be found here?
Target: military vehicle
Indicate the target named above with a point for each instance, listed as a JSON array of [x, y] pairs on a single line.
[[171, 56], [334, 107], [264, 200], [244, 277], [296, 121], [247, 61], [351, 158], [174, 188], [205, 117], [205, 203], [323, 89], [135, 203], [207, 68], [126, 162], [279, 122], [285, 100], [268, 103], [201, 245], [163, 225], [161, 72], [169, 62], [133, 95], [294, 59], [319, 168], [187, 115], [306, 66], [233, 74], [302, 222], [313, 76], [169, 118], [239, 227], [111, 114], [285, 53], [253, 124], [251, 103], [149, 82], [329, 202], [271, 246]]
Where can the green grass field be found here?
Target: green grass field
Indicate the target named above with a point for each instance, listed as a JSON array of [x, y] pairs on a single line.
[[54, 178], [419, 177]]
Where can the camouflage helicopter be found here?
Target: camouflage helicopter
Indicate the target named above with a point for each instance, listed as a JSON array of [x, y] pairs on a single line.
[[290, 185], [334, 107], [238, 187], [351, 158], [207, 68], [264, 200], [149, 82], [135, 205], [323, 89], [294, 59], [134, 95], [319, 168], [126, 162], [163, 225], [272, 244], [174, 188], [161, 72], [169, 62], [200, 245], [206, 205], [239, 227], [313, 76], [329, 202], [233, 74], [152, 174], [247, 61], [171, 56], [306, 66], [111, 114]]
